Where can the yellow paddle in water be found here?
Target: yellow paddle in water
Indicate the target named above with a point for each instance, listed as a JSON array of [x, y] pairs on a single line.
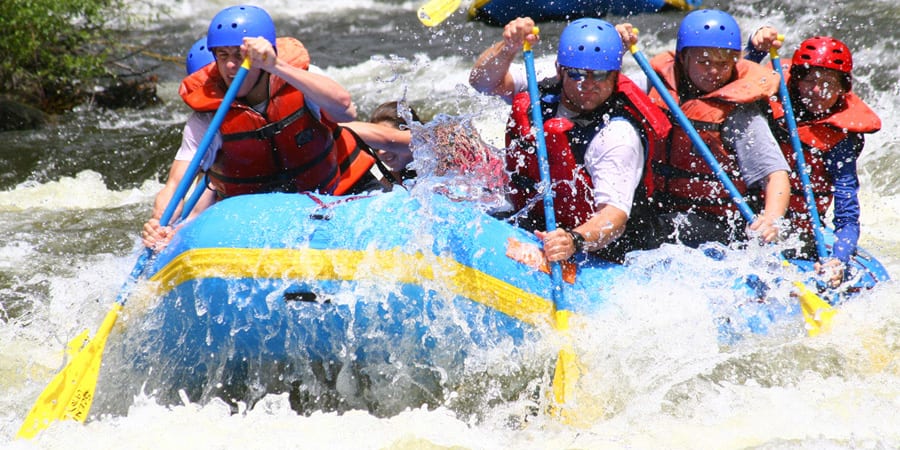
[[71, 392], [816, 312], [436, 11]]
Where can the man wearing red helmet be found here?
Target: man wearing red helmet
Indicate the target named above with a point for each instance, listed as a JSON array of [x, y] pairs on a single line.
[[831, 124]]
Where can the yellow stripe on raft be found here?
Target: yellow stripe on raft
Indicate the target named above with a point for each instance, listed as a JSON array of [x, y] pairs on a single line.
[[348, 265]]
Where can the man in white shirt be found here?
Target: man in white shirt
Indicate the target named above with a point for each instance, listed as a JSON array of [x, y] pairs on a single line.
[[606, 136]]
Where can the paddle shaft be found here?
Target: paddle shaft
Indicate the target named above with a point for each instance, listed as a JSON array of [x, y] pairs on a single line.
[[70, 393], [193, 199], [567, 370], [537, 120], [189, 174], [203, 148], [802, 168]]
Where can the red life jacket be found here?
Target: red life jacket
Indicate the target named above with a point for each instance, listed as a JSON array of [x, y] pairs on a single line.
[[571, 182], [683, 179], [818, 137], [286, 150]]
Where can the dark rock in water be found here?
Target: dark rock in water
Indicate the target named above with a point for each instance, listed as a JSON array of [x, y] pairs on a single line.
[[129, 93], [15, 115]]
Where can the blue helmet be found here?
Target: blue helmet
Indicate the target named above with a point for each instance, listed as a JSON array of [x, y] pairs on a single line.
[[198, 56], [709, 28], [591, 44], [231, 25]]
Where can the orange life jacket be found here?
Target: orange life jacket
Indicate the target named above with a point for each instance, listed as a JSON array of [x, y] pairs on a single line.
[[818, 137], [355, 159], [567, 143], [286, 150], [682, 178]]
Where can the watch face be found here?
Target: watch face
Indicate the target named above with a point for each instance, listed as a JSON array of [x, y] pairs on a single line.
[[577, 240]]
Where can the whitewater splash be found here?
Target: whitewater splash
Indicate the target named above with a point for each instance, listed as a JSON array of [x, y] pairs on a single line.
[[666, 382]]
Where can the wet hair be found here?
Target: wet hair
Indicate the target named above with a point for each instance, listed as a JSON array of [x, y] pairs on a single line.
[[387, 112]]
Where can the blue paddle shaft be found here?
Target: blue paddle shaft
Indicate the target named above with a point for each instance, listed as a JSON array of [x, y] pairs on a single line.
[[192, 200], [699, 145], [537, 120], [202, 149], [188, 178], [802, 168], [543, 164]]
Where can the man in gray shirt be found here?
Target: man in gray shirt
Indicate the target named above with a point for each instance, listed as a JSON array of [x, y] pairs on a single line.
[[722, 95]]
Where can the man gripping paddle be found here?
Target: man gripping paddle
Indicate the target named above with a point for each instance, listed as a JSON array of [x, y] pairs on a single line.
[[599, 129]]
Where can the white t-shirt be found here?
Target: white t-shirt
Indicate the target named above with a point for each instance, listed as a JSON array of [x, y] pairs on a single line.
[[614, 158], [193, 132]]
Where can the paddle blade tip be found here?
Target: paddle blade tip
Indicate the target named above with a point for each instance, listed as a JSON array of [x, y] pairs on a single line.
[[436, 11]]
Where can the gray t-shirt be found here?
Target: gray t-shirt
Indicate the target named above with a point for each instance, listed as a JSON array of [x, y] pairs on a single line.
[[747, 131]]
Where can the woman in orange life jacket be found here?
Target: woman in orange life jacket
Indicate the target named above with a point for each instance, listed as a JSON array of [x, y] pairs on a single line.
[[599, 128], [831, 123], [278, 94], [724, 96]]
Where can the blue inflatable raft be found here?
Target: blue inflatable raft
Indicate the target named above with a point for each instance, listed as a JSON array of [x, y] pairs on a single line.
[[500, 12], [369, 297]]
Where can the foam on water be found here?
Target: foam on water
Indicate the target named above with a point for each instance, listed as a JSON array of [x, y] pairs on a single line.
[[86, 190]]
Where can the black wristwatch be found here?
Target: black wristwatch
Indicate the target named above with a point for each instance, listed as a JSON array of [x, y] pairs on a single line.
[[577, 240]]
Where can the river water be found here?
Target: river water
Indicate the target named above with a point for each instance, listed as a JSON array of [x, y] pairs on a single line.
[[74, 194]]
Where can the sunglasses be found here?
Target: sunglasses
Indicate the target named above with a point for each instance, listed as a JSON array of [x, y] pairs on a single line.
[[581, 74]]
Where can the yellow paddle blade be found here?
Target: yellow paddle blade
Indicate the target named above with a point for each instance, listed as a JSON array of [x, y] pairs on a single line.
[[816, 312], [567, 371], [436, 11], [77, 343], [683, 5], [71, 392], [475, 6], [565, 376]]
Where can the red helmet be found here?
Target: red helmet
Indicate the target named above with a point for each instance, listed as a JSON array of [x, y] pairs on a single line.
[[826, 52]]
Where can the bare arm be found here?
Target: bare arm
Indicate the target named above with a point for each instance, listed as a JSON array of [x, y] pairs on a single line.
[[490, 74], [777, 195], [176, 173], [328, 94], [603, 227], [382, 137]]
